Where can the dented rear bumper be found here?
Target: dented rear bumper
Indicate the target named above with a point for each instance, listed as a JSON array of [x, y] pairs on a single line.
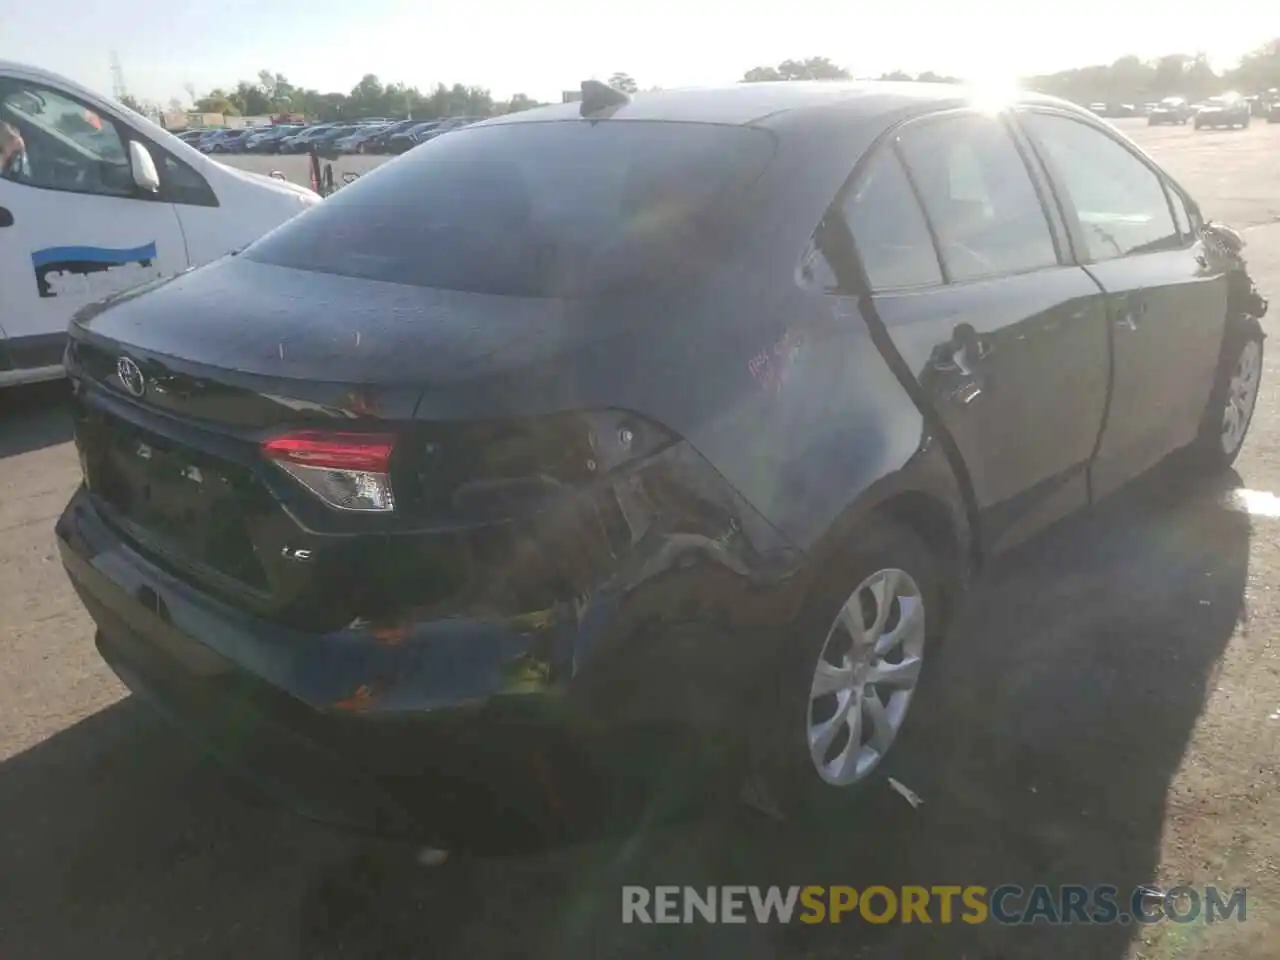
[[442, 728]]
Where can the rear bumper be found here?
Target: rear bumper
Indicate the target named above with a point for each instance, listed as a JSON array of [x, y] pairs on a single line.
[[464, 733], [268, 703]]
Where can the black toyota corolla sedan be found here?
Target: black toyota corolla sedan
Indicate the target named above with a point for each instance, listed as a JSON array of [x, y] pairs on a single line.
[[585, 437]]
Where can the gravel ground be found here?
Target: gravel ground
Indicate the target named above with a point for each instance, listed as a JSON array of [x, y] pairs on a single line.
[[1106, 712]]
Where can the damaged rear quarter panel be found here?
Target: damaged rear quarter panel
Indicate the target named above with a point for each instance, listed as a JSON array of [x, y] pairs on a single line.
[[820, 419], [811, 424]]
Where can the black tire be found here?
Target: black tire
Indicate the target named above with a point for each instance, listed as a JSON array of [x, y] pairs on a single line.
[[1209, 451], [783, 780]]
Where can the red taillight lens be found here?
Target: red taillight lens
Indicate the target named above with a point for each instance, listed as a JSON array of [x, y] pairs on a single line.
[[338, 451], [348, 471]]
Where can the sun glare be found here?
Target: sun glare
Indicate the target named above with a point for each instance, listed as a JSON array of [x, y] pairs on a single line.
[[993, 90]]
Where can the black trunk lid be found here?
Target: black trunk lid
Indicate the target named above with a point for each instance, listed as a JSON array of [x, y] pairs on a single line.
[[238, 352]]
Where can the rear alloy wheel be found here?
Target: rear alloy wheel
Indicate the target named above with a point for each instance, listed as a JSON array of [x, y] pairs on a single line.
[[849, 673], [1242, 397], [865, 677], [1232, 402]]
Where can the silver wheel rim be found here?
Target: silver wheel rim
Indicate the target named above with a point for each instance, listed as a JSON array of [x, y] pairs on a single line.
[[1242, 394], [865, 677]]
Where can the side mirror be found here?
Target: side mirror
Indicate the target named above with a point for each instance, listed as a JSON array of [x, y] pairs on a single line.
[[144, 168]]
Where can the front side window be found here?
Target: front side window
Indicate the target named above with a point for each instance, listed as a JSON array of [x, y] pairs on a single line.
[[1119, 200], [888, 227], [68, 145], [179, 183], [979, 197]]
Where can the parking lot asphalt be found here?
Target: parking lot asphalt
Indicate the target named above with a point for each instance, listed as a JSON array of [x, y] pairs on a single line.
[[1106, 710]]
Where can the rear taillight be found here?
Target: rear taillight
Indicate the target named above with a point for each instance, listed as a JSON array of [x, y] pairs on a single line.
[[348, 471]]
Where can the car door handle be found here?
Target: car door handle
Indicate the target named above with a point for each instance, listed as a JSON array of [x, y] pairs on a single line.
[[6, 217], [965, 353], [1133, 311]]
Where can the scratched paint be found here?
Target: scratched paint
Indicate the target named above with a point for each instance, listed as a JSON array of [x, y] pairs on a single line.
[[772, 366]]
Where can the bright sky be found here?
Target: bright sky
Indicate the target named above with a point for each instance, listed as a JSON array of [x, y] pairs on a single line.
[[543, 47]]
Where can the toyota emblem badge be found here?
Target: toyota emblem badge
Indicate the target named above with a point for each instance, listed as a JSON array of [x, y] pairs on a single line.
[[131, 376]]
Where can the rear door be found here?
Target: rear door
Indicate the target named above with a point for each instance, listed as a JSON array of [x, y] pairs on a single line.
[[973, 282], [79, 229], [1166, 301]]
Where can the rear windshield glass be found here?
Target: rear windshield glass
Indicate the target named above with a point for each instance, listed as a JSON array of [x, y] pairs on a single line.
[[534, 209]]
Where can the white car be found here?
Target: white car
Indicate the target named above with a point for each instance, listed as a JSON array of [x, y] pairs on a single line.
[[100, 200]]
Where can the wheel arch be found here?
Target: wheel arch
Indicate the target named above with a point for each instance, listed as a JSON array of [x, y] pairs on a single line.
[[924, 497]]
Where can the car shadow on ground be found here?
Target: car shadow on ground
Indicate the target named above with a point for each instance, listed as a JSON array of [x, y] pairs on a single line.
[[33, 417], [1059, 712]]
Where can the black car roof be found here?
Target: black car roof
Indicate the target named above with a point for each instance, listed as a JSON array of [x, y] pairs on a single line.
[[746, 103]]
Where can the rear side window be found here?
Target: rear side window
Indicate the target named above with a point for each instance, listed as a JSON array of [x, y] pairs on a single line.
[[1119, 200], [979, 197], [889, 228], [552, 209]]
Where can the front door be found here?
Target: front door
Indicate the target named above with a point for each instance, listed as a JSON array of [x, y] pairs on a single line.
[[1166, 300], [78, 228], [1007, 338]]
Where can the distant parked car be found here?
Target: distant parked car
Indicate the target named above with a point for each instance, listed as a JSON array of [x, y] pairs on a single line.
[[1170, 110], [357, 141], [326, 140], [453, 123], [190, 136], [439, 130], [232, 142], [268, 140], [211, 139], [406, 140], [301, 141], [1228, 110], [1269, 105], [378, 143]]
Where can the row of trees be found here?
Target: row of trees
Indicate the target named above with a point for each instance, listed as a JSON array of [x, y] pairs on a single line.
[[272, 93], [1129, 78], [1180, 74], [821, 68]]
